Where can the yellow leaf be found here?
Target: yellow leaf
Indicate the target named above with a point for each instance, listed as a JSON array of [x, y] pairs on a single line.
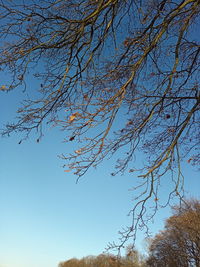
[[73, 116], [3, 87]]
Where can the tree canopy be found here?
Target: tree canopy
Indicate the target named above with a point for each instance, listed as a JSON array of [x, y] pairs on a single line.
[[178, 244], [117, 76]]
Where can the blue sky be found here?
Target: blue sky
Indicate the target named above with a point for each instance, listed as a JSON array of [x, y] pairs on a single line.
[[45, 216]]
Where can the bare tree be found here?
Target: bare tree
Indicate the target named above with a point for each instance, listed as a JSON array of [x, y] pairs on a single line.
[[101, 62]]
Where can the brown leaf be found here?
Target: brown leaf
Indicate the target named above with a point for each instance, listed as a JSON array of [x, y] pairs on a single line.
[[85, 97]]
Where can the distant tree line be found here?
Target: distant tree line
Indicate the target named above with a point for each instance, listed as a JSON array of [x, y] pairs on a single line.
[[132, 259], [178, 245]]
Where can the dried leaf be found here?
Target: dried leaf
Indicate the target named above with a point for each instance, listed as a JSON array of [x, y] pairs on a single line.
[[85, 97], [73, 116], [3, 87], [72, 138], [126, 43]]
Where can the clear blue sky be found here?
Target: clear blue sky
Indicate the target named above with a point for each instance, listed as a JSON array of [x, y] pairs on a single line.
[[45, 216]]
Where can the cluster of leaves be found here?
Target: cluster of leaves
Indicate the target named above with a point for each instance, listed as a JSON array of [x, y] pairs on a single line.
[[104, 62]]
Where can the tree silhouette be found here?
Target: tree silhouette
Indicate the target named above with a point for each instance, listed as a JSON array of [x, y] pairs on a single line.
[[115, 76]]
